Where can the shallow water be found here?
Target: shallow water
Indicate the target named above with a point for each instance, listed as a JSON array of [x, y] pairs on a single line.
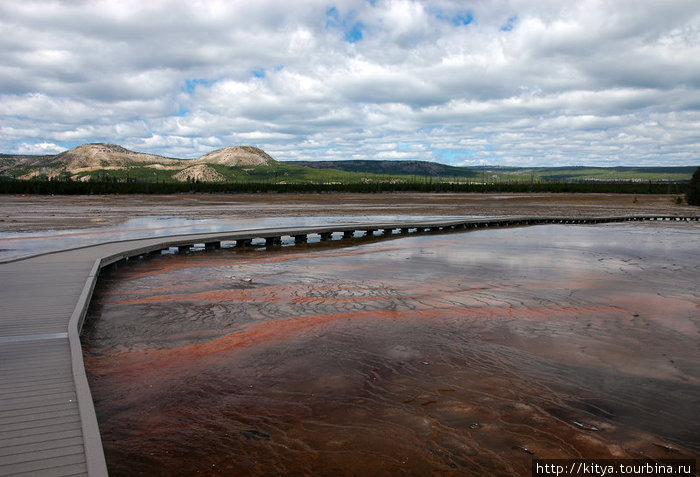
[[456, 354], [15, 245]]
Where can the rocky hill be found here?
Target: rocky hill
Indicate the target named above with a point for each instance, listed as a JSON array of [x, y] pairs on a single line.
[[111, 160], [89, 157], [237, 156]]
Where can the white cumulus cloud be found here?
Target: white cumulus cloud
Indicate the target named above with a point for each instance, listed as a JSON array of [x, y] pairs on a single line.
[[511, 82]]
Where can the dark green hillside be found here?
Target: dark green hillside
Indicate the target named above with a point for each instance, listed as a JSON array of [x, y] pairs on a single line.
[[10, 164], [400, 168], [505, 173], [281, 172], [616, 173]]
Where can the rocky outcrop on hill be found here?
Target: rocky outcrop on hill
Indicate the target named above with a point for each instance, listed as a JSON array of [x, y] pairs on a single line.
[[199, 173]]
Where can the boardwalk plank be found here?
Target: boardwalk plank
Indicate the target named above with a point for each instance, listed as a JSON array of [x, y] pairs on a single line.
[[70, 470], [48, 421], [35, 402], [48, 434], [30, 454], [55, 378], [41, 463], [31, 390], [9, 414], [37, 373]]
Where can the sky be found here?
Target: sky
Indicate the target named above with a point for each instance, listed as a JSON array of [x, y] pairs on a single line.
[[470, 82]]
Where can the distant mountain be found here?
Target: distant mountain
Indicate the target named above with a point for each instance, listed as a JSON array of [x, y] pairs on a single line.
[[403, 168]]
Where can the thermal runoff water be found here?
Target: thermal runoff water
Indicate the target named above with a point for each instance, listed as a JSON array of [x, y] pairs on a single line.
[[459, 354]]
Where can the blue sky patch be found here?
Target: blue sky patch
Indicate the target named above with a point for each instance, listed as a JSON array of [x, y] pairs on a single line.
[[410, 144], [259, 72], [332, 17], [191, 84], [452, 156], [510, 23], [352, 29], [355, 33], [458, 19], [465, 18]]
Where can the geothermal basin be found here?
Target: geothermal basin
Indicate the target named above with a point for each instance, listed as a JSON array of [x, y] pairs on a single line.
[[465, 353]]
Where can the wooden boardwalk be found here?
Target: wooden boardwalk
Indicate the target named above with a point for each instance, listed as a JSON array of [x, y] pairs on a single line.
[[47, 420]]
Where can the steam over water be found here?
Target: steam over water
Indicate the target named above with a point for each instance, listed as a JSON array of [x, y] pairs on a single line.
[[457, 354]]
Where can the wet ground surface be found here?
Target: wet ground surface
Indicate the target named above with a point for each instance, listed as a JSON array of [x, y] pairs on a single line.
[[455, 354], [16, 245], [31, 225], [38, 213]]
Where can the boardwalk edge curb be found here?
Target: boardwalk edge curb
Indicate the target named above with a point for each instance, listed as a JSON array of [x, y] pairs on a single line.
[[92, 441]]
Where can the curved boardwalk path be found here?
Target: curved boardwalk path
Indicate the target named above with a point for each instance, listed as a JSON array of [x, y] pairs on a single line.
[[47, 420]]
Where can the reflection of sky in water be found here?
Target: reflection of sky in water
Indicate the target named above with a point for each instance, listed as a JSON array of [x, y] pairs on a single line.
[[15, 245], [545, 249]]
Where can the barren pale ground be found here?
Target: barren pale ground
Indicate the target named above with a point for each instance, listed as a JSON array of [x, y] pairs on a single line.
[[34, 213]]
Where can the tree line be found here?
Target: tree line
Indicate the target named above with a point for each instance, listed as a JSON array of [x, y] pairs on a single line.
[[10, 186]]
